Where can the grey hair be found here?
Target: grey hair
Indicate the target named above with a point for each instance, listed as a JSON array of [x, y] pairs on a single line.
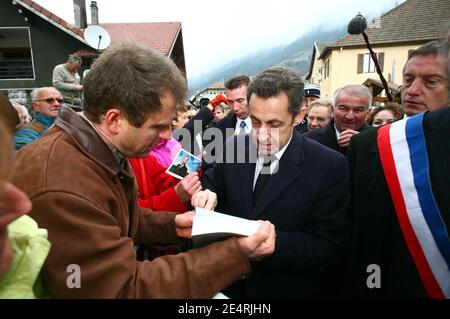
[[321, 102], [356, 90], [74, 58], [35, 92]]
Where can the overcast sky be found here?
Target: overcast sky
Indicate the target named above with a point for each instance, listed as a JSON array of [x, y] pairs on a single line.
[[215, 32]]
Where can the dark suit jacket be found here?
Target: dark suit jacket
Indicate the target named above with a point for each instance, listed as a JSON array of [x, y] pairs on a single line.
[[302, 128], [377, 237], [213, 147], [327, 136], [228, 122], [306, 200], [180, 169]]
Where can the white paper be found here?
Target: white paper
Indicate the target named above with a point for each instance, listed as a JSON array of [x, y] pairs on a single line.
[[210, 226], [219, 295]]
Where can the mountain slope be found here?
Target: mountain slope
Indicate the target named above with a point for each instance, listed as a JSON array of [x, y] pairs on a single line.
[[296, 55]]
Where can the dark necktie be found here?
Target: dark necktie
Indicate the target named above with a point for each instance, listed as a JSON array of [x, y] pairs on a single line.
[[263, 177], [243, 125]]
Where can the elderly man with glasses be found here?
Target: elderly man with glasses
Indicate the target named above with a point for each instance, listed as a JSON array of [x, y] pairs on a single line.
[[46, 104]]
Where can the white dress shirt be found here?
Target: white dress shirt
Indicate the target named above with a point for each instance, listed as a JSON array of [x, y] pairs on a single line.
[[248, 128], [273, 166]]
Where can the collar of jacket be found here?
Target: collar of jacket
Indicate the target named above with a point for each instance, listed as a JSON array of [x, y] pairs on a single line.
[[89, 142], [44, 119], [294, 150]]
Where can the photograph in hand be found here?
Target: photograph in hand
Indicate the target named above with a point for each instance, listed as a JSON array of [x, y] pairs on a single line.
[[183, 164]]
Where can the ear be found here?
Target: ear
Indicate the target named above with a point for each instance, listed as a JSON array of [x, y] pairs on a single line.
[[113, 120], [299, 117], [35, 106]]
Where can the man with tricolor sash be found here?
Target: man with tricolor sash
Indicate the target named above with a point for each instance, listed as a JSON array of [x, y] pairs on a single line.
[[400, 181]]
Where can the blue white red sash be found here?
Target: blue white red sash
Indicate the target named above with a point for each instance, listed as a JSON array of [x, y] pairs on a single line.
[[404, 159]]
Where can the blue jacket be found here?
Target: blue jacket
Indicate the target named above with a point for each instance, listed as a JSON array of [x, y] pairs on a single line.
[[31, 131]]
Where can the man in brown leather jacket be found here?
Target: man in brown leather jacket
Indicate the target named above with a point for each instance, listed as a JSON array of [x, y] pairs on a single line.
[[84, 192]]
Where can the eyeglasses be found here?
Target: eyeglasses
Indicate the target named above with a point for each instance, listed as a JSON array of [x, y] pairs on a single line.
[[51, 100]]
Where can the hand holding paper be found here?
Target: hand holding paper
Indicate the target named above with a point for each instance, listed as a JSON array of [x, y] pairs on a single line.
[[184, 222], [259, 240], [261, 244]]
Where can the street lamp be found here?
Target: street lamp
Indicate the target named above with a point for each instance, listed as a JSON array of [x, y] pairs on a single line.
[[357, 26]]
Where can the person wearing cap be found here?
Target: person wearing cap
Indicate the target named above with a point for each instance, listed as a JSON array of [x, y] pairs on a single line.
[[312, 93]]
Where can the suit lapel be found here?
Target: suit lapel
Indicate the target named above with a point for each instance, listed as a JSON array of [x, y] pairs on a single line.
[[233, 121], [289, 170], [329, 135], [246, 172], [231, 125]]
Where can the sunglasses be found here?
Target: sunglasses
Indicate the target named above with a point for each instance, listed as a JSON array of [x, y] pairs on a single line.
[[51, 100]]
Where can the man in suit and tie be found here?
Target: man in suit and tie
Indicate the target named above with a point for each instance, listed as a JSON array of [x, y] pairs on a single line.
[[350, 106], [381, 213], [276, 174], [238, 121]]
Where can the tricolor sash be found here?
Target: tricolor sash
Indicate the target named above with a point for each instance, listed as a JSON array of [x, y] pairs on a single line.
[[404, 160]]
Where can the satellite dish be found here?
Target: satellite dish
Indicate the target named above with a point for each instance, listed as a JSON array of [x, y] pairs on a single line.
[[97, 37]]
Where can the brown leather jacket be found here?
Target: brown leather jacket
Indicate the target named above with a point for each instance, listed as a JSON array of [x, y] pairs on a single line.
[[88, 205]]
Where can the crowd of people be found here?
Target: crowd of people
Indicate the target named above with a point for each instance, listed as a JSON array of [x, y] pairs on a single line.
[[324, 179]]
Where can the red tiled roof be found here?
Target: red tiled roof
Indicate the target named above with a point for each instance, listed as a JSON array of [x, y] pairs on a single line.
[[63, 23], [158, 36], [217, 85]]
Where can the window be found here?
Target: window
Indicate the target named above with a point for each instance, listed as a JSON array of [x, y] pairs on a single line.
[[368, 65], [15, 54]]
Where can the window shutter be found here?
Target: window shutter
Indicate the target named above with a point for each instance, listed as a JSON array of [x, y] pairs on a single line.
[[381, 60], [360, 63]]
